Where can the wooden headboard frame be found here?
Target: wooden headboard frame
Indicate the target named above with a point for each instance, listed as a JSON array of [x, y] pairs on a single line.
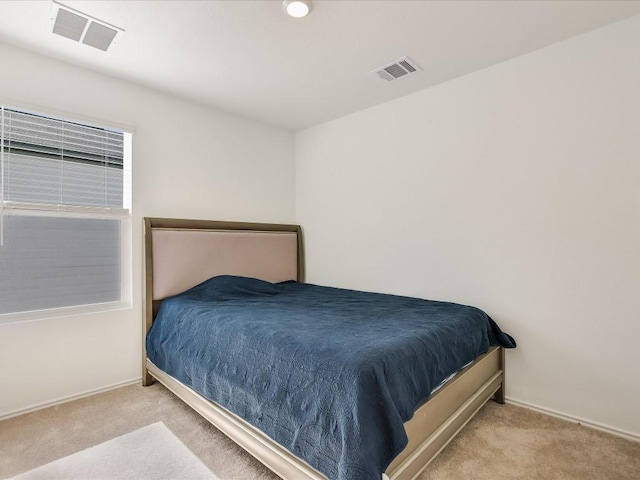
[[179, 254]]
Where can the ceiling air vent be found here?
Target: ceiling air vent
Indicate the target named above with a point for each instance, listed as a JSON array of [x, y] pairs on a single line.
[[83, 28], [399, 68]]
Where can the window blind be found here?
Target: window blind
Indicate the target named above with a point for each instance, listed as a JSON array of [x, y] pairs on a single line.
[[51, 164], [53, 262], [64, 193]]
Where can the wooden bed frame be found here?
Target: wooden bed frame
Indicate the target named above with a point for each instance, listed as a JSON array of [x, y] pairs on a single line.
[[275, 253]]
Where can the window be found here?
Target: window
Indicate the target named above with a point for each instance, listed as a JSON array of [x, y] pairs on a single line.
[[64, 214]]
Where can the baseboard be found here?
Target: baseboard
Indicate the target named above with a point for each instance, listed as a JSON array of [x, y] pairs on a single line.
[[70, 398], [572, 418]]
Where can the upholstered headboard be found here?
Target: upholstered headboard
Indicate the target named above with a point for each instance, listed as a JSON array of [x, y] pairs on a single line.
[[180, 254]]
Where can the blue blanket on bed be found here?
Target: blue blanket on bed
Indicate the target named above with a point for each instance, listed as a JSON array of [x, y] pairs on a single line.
[[330, 374]]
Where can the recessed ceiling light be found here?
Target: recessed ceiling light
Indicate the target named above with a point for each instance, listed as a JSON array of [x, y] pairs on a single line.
[[297, 8]]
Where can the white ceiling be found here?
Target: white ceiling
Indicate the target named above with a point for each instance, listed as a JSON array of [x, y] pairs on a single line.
[[248, 58]]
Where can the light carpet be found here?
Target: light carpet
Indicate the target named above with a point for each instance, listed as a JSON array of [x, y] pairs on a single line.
[[150, 453], [502, 442]]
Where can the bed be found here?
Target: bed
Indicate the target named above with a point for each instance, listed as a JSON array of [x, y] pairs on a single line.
[[180, 254]]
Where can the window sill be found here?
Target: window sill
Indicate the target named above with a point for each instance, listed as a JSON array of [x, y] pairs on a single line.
[[35, 315]]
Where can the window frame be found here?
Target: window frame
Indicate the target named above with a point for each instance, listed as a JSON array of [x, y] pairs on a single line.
[[124, 216]]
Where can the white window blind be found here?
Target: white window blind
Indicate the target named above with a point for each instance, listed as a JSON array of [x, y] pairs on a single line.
[[52, 164], [64, 195]]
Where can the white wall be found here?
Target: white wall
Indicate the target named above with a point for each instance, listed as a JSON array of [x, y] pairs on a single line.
[[515, 189], [188, 161]]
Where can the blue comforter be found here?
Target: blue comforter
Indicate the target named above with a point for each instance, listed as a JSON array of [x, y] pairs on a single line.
[[330, 374]]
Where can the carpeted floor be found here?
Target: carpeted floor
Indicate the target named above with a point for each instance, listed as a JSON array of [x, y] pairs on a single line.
[[501, 442]]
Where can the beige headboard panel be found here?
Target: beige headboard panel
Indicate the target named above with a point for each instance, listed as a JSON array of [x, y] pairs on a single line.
[[185, 258], [180, 254]]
